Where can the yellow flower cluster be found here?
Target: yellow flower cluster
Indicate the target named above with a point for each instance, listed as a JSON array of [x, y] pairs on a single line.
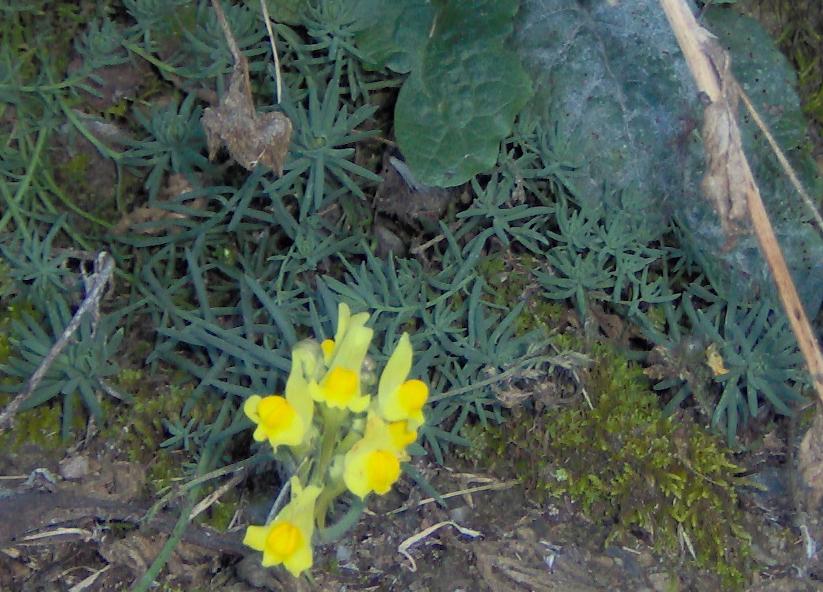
[[320, 417]]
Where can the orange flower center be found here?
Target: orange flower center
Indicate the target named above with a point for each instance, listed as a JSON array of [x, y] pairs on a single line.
[[275, 412], [284, 540], [382, 470], [413, 395], [340, 385]]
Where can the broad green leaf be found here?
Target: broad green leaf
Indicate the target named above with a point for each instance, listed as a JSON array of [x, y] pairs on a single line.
[[396, 33], [283, 11], [457, 106]]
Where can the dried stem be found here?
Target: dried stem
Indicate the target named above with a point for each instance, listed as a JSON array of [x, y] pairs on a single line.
[[716, 82], [91, 304]]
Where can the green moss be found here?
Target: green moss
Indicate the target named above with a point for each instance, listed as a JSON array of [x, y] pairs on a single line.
[[512, 280], [220, 514], [39, 427], [627, 465], [139, 429]]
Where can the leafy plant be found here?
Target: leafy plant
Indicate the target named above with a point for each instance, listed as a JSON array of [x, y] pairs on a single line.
[[739, 360], [174, 145], [35, 268], [77, 375], [463, 91], [603, 253], [461, 99], [321, 148]]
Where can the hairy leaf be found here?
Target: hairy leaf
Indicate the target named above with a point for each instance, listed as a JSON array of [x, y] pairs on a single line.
[[613, 83]]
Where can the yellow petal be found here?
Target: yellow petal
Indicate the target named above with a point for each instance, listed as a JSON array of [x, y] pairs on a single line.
[[250, 408], [343, 316], [401, 435], [382, 470], [292, 435], [278, 422], [359, 404], [340, 386], [256, 537], [283, 541], [300, 561], [297, 386], [276, 413], [397, 368], [373, 463], [260, 434], [354, 473], [328, 349]]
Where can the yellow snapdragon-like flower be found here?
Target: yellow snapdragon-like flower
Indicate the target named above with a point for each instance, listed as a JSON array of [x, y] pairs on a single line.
[[400, 399], [340, 387], [285, 420], [373, 463], [345, 320], [287, 539]]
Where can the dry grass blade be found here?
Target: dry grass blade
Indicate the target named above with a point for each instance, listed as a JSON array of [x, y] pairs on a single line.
[[104, 268], [709, 65], [403, 548]]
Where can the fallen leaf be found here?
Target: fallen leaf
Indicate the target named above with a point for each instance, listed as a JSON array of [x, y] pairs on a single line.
[[139, 220], [714, 360], [251, 138]]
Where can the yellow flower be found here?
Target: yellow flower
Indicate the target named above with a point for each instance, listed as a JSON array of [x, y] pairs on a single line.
[[285, 420], [373, 463], [287, 539], [399, 399], [345, 320], [402, 434], [340, 387]]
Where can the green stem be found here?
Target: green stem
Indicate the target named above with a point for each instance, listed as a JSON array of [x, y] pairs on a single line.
[[330, 493], [157, 63], [162, 558], [207, 459], [56, 190], [332, 420], [43, 88]]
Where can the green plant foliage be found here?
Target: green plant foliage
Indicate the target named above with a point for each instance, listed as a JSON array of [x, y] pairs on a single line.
[[603, 253], [627, 465], [395, 33], [742, 359], [76, 374], [101, 45], [461, 101], [221, 280], [494, 209], [324, 131], [34, 267], [625, 111], [175, 144]]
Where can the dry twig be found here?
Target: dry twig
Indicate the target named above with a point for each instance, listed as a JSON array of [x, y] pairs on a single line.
[[104, 267], [729, 182]]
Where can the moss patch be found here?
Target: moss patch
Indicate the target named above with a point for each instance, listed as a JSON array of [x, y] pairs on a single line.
[[626, 465]]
